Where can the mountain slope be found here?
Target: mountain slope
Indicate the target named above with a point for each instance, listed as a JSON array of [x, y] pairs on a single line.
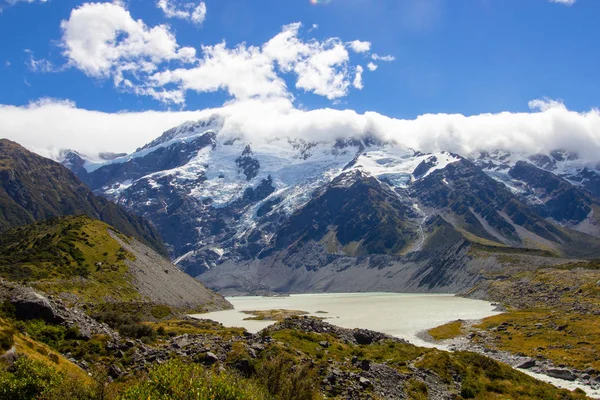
[[85, 261], [33, 188], [251, 214]]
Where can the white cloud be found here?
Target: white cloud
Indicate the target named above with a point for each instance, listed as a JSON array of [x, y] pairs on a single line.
[[387, 58], [195, 13], [565, 2], [321, 67], [545, 104], [7, 64], [48, 126], [358, 82], [324, 69], [62, 125], [372, 67], [103, 40], [359, 46], [244, 72]]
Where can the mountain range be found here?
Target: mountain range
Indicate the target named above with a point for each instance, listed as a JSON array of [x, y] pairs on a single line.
[[282, 214]]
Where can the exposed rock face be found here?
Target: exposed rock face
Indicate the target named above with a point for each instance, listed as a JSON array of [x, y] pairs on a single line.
[[160, 282], [561, 200], [248, 165], [30, 304]]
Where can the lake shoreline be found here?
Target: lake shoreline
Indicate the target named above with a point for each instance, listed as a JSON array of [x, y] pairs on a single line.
[[463, 343]]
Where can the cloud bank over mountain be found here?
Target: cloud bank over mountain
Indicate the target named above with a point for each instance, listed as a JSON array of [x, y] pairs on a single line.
[[49, 125]]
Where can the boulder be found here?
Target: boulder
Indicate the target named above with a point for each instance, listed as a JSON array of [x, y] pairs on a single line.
[[10, 356], [31, 305], [527, 364], [210, 358], [364, 382], [561, 373]]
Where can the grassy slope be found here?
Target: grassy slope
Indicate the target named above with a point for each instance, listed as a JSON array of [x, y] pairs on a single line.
[[68, 255]]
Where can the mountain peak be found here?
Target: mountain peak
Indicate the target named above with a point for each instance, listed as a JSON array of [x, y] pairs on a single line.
[[186, 130]]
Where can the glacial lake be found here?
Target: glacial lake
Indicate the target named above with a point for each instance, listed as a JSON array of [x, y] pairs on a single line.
[[397, 314]]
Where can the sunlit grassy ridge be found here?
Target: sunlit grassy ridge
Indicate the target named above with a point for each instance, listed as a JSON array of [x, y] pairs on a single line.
[[75, 255]]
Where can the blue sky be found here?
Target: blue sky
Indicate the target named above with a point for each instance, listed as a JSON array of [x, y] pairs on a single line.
[[457, 75], [466, 56]]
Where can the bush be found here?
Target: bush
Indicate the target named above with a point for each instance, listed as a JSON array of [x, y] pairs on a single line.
[[7, 309], [178, 380], [52, 335], [128, 325], [160, 311], [29, 379], [7, 340], [287, 380]]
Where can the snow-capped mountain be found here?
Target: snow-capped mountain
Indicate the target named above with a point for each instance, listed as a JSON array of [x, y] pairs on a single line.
[[226, 204]]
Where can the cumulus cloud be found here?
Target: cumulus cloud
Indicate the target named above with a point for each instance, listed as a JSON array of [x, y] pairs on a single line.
[[565, 2], [195, 13], [49, 126], [358, 82], [243, 71], [104, 41], [372, 66], [359, 46], [321, 67]]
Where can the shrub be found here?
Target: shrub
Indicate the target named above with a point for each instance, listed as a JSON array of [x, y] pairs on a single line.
[[7, 309], [128, 325], [160, 311], [30, 379], [178, 380], [7, 340], [285, 379], [52, 335]]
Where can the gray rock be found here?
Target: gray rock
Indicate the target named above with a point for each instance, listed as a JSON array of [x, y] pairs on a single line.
[[561, 373], [30, 305], [10, 356], [114, 371], [527, 364], [364, 382], [210, 358]]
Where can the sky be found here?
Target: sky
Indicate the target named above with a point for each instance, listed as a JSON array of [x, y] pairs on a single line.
[[110, 76]]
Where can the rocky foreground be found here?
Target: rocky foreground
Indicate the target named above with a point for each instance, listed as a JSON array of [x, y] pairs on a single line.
[[317, 359]]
